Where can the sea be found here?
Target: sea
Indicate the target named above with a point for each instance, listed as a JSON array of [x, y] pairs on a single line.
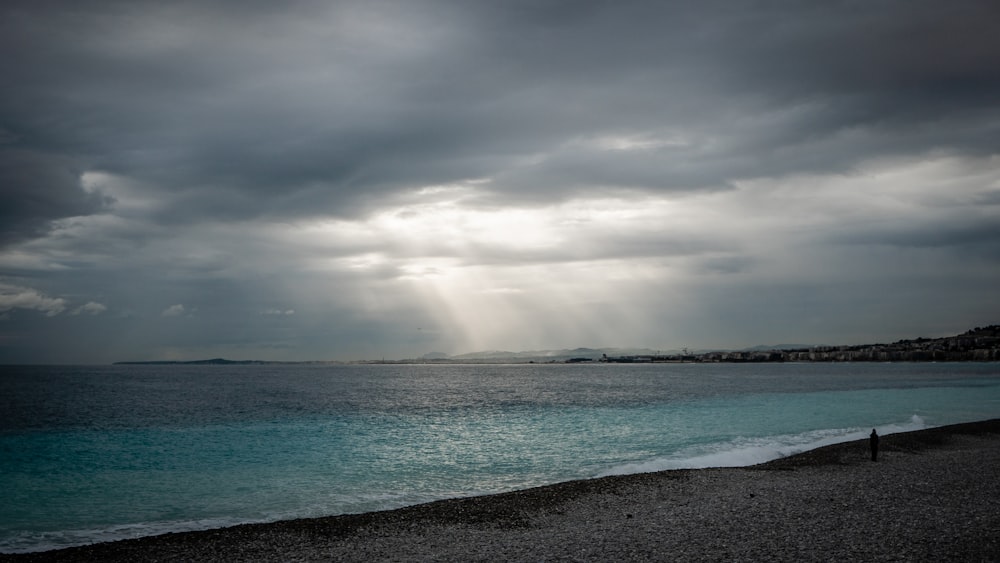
[[100, 453]]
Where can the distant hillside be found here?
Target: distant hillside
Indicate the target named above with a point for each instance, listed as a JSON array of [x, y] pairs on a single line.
[[538, 356], [978, 344], [211, 362], [981, 344], [768, 347]]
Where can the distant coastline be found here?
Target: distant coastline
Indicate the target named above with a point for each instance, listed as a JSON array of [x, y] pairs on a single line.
[[981, 344], [213, 362]]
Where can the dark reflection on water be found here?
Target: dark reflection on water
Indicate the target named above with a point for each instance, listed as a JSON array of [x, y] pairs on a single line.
[[102, 397]]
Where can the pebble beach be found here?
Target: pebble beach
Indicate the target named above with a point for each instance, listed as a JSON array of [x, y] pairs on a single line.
[[933, 495]]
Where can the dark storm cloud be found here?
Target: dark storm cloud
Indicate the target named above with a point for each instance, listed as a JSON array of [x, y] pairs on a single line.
[[37, 189], [223, 158], [247, 109], [971, 237]]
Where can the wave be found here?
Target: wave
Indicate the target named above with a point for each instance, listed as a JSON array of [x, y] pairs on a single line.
[[35, 541], [27, 542], [733, 453], [742, 452]]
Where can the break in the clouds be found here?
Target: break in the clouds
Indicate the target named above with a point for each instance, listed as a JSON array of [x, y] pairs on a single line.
[[323, 180]]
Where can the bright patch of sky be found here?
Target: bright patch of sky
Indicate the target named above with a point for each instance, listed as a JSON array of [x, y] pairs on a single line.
[[385, 180]]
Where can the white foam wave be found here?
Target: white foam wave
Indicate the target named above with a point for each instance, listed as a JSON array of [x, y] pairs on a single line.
[[29, 542], [742, 452]]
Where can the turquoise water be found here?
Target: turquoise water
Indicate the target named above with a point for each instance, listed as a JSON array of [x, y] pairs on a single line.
[[100, 453]]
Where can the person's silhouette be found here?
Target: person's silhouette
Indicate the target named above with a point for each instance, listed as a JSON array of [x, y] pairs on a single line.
[[873, 444]]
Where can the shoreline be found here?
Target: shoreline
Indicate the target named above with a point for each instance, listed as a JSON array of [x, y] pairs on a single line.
[[931, 496]]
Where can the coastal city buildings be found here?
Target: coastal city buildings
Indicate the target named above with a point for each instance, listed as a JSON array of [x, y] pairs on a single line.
[[981, 344]]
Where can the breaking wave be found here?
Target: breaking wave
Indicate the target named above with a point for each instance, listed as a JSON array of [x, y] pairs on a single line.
[[743, 452]]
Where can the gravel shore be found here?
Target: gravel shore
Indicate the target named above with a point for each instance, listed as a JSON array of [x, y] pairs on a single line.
[[933, 495]]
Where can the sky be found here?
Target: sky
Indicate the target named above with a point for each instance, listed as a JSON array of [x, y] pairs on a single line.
[[342, 180]]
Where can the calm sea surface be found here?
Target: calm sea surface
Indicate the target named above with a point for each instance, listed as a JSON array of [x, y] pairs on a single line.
[[97, 453]]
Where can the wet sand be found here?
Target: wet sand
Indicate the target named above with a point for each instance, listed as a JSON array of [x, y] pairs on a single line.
[[933, 495]]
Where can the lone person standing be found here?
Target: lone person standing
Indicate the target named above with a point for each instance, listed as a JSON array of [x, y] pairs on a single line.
[[873, 444]]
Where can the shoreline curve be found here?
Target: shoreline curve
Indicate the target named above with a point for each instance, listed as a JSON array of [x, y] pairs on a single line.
[[931, 496]]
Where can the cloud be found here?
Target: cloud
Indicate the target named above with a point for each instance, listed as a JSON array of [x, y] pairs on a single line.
[[173, 311], [40, 187], [90, 308], [317, 111], [278, 312], [499, 174], [15, 297]]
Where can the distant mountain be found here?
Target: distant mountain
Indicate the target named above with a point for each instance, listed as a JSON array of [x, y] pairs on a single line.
[[434, 356], [212, 362], [978, 344], [487, 355], [767, 348], [981, 344], [560, 355]]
